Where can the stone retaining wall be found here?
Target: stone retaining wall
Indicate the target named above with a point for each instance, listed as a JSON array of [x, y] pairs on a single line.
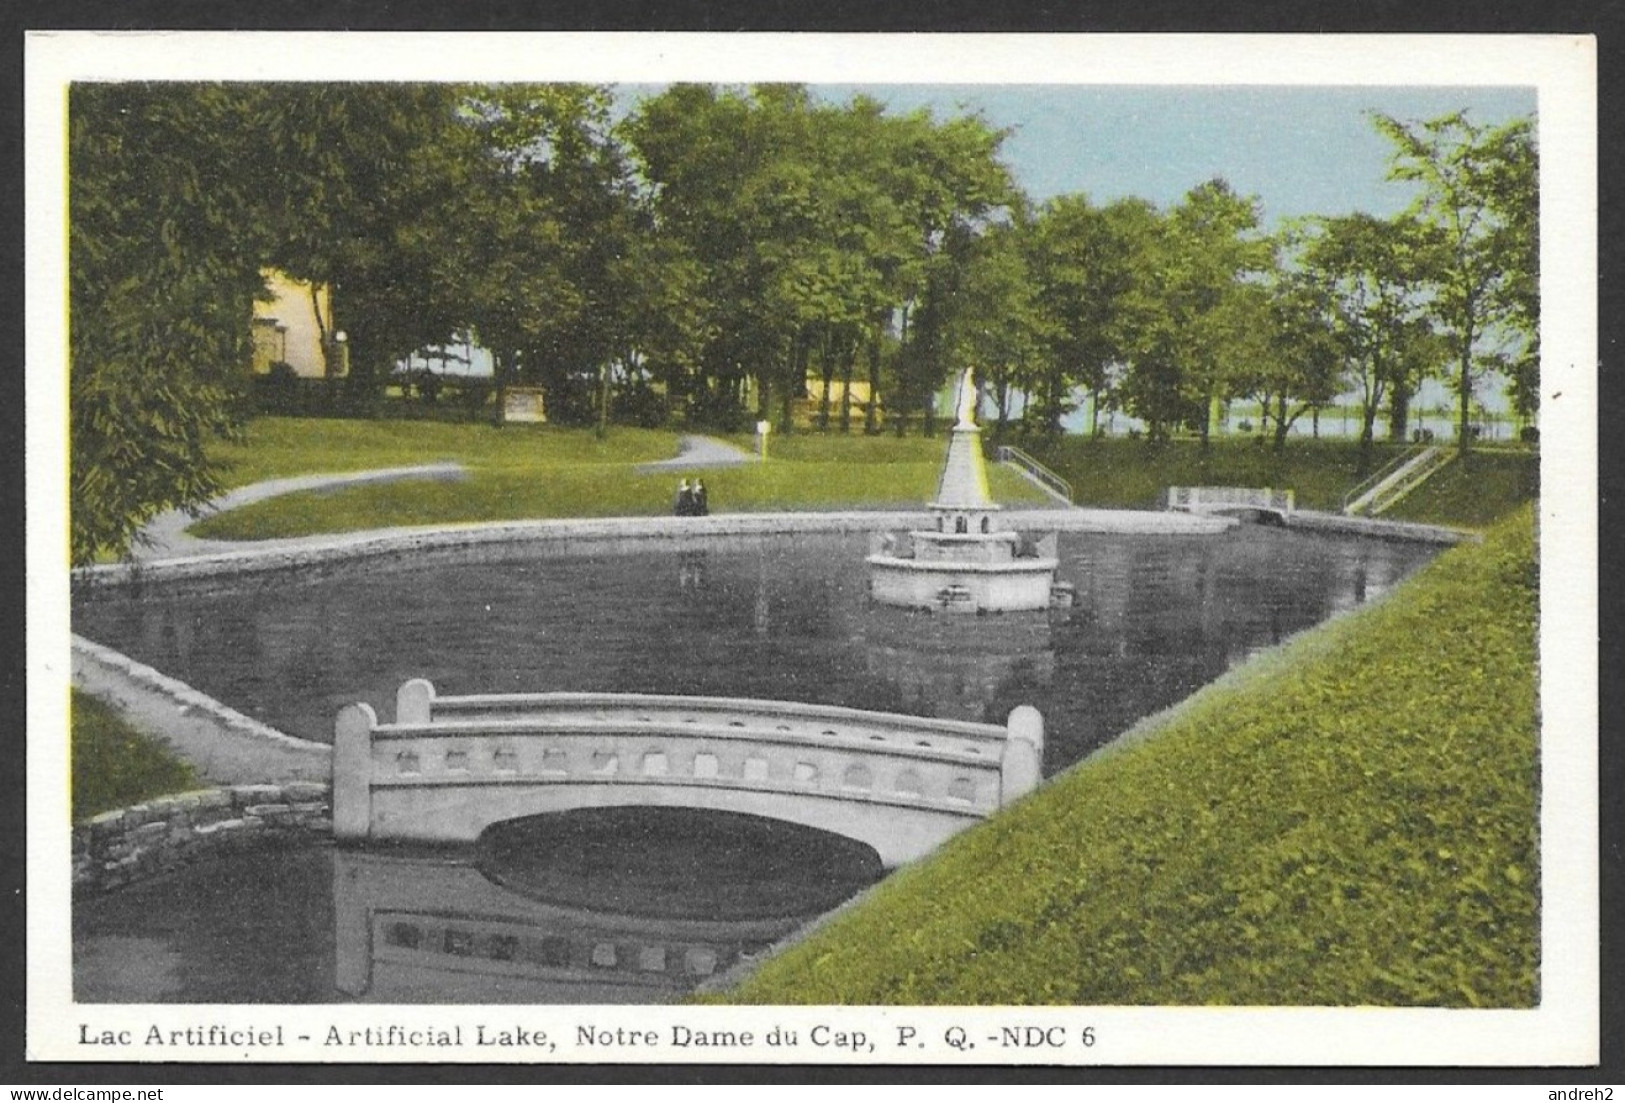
[[118, 847], [284, 554], [225, 746], [1380, 528]]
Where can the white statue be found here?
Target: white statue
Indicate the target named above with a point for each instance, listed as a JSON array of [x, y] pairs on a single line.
[[967, 399]]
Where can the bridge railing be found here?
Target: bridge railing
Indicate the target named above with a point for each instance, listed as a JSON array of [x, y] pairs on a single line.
[[1211, 499], [1040, 474], [448, 766]]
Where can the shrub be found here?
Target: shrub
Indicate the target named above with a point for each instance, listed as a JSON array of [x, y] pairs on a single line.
[[640, 406], [277, 391]]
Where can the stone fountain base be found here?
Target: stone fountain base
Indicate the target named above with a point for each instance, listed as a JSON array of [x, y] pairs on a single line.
[[959, 586]]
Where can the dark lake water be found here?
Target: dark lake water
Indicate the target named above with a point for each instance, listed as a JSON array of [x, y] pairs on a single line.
[[621, 905], [589, 909]]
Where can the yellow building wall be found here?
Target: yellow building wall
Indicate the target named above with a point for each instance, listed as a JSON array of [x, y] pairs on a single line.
[[285, 326], [805, 410]]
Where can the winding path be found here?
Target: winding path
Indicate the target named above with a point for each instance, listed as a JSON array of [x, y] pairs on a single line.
[[696, 451], [165, 536]]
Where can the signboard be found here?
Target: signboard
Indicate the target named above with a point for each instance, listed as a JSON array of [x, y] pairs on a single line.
[[524, 404]]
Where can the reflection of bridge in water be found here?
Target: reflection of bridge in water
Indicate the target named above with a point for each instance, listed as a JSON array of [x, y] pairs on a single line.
[[413, 928], [449, 767]]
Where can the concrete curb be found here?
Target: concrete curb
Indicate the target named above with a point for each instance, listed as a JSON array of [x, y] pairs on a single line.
[[1316, 521], [273, 555], [221, 743]]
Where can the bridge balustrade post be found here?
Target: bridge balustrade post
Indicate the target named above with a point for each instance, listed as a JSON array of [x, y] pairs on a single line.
[[352, 771], [414, 701], [1021, 767]]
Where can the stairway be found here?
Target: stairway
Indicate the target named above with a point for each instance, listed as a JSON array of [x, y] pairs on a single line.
[[1393, 482], [1036, 473]]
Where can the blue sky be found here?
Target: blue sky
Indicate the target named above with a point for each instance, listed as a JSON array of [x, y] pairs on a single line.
[[1300, 149]]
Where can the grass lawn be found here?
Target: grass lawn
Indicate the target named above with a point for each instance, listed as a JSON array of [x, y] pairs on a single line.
[[276, 447], [532, 472], [1350, 820], [114, 765]]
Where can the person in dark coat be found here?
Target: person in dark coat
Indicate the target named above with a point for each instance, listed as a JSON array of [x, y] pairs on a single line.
[[702, 507], [685, 500]]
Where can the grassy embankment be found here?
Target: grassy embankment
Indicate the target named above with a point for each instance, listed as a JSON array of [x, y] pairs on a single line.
[[1471, 491], [1351, 820], [1474, 490], [114, 765], [531, 471]]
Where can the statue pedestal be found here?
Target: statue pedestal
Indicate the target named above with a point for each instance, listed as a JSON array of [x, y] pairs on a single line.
[[961, 586], [966, 564]]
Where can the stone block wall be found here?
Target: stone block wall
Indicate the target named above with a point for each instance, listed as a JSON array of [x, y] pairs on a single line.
[[127, 844]]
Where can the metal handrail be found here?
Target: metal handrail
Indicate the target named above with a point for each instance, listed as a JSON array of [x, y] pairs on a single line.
[[1010, 454], [1385, 471], [1391, 496]]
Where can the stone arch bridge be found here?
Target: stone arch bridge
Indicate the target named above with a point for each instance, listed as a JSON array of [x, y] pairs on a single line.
[[449, 767], [1233, 501]]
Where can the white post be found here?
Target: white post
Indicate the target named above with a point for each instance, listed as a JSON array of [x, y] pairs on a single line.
[[1021, 767], [414, 701], [352, 771]]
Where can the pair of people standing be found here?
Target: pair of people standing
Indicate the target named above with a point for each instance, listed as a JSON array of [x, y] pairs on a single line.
[[691, 500]]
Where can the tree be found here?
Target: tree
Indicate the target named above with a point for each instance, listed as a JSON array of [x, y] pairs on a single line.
[[998, 328], [360, 187], [1201, 338], [1515, 196], [952, 187], [546, 240], [1370, 271], [1476, 203], [1298, 366], [729, 213], [165, 247], [1090, 266], [182, 194], [799, 230]]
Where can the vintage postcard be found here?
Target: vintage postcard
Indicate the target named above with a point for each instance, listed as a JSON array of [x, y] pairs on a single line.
[[791, 549]]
